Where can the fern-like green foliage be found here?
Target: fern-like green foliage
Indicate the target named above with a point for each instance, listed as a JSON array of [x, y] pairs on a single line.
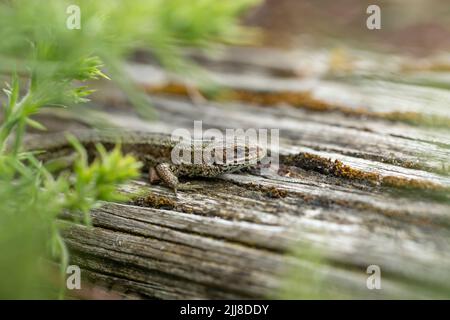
[[49, 66], [31, 198], [35, 37]]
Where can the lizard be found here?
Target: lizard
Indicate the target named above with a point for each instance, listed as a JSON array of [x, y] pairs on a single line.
[[157, 152]]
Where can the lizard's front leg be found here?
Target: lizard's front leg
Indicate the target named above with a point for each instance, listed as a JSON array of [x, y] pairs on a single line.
[[164, 172]]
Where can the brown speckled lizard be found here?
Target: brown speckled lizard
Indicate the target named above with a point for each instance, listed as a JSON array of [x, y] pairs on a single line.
[[157, 152]]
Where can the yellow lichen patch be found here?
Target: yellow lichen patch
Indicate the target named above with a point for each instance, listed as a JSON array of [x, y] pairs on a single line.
[[338, 169], [273, 192], [345, 171], [154, 201], [269, 191], [399, 182], [335, 168], [264, 98], [341, 61], [170, 88], [304, 100]]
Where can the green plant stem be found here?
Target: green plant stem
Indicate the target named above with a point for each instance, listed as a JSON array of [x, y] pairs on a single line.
[[18, 122]]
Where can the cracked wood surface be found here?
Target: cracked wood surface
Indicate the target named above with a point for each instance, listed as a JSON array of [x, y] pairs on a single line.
[[360, 191]]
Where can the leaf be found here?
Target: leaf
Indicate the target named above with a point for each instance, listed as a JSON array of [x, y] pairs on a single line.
[[14, 90], [36, 125]]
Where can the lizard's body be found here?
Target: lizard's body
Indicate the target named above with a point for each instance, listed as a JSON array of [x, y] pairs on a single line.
[[154, 150]]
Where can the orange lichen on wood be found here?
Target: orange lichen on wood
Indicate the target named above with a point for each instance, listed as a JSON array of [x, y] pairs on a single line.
[[327, 166], [338, 169], [301, 99], [169, 88], [154, 201]]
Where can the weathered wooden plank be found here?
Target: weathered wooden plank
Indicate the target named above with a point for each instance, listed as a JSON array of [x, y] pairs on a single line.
[[377, 98], [170, 242], [359, 189]]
